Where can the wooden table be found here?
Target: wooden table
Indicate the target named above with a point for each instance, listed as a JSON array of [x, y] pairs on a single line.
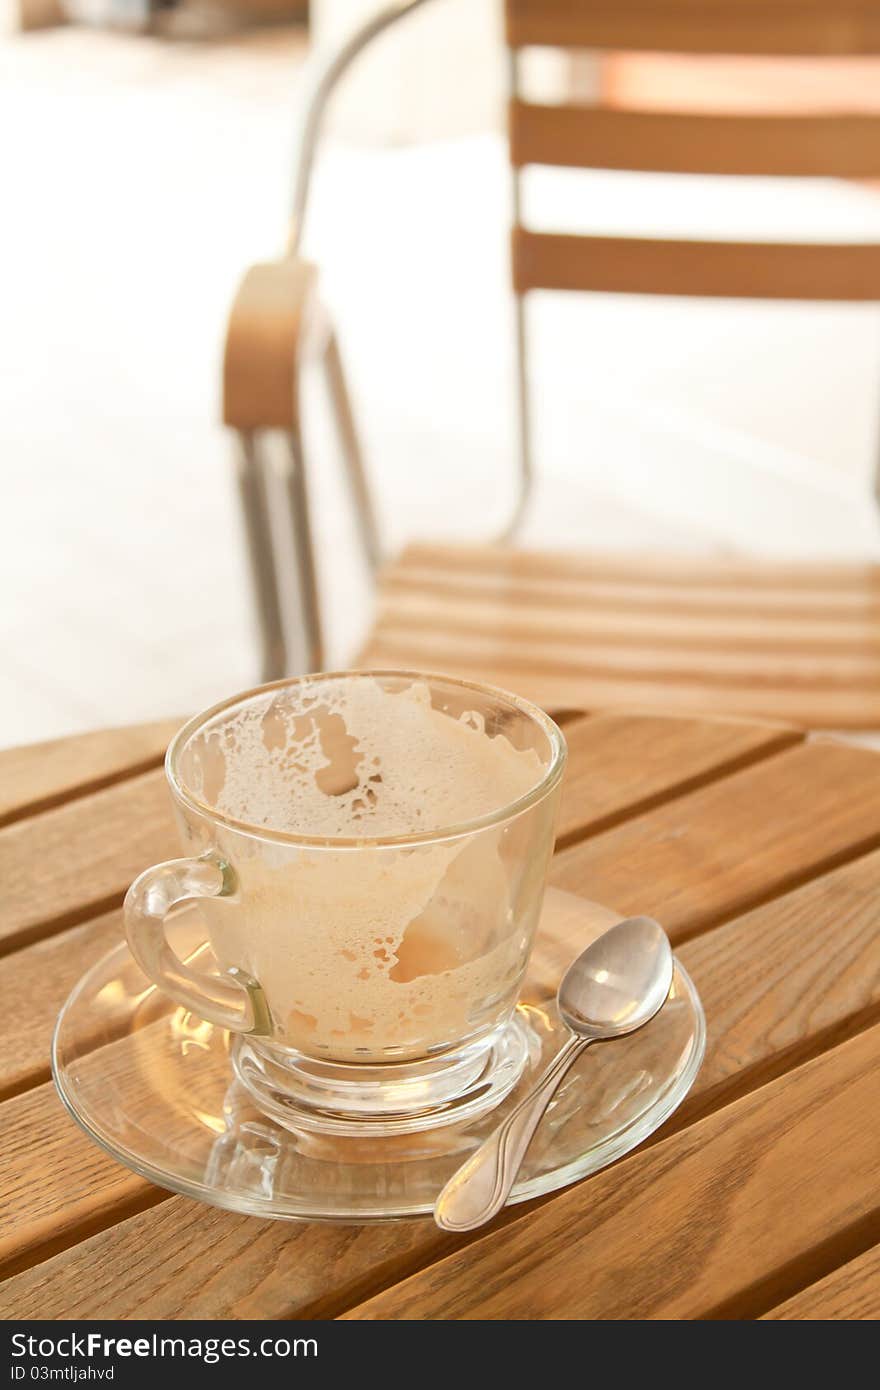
[[758, 848]]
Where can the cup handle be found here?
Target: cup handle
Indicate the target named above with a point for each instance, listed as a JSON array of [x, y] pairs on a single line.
[[236, 1001]]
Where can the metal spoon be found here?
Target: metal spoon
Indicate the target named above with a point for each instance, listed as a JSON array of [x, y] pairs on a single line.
[[614, 987]]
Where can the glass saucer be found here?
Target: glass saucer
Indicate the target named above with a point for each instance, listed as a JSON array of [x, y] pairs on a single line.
[[154, 1086]]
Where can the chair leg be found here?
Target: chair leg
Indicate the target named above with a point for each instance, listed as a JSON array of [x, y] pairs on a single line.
[[524, 422], [252, 487], [351, 450], [303, 555]]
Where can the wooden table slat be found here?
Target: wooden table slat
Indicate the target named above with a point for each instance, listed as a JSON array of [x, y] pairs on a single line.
[[719, 850], [143, 1267], [850, 1293], [619, 764], [78, 859], [41, 775], [785, 980], [74, 1187], [36, 981]]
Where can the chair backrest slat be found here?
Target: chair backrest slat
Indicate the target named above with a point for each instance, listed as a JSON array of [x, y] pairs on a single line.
[[822, 146], [751, 270], [837, 144], [770, 27]]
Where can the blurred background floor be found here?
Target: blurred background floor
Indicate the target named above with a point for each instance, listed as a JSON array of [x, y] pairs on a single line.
[[139, 178]]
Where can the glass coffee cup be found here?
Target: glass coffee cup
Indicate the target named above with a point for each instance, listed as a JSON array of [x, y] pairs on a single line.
[[368, 851]]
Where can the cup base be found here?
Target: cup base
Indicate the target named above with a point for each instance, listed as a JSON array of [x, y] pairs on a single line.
[[396, 1098]]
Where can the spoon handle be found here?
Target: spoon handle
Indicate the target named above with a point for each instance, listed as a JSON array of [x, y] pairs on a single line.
[[480, 1187]]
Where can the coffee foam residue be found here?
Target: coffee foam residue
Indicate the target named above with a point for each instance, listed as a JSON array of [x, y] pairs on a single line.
[[349, 758]]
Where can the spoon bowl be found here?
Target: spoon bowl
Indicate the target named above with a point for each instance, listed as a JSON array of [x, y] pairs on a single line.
[[618, 982]]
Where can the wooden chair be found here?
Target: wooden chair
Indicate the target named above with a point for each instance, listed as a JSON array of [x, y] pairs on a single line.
[[795, 642]]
